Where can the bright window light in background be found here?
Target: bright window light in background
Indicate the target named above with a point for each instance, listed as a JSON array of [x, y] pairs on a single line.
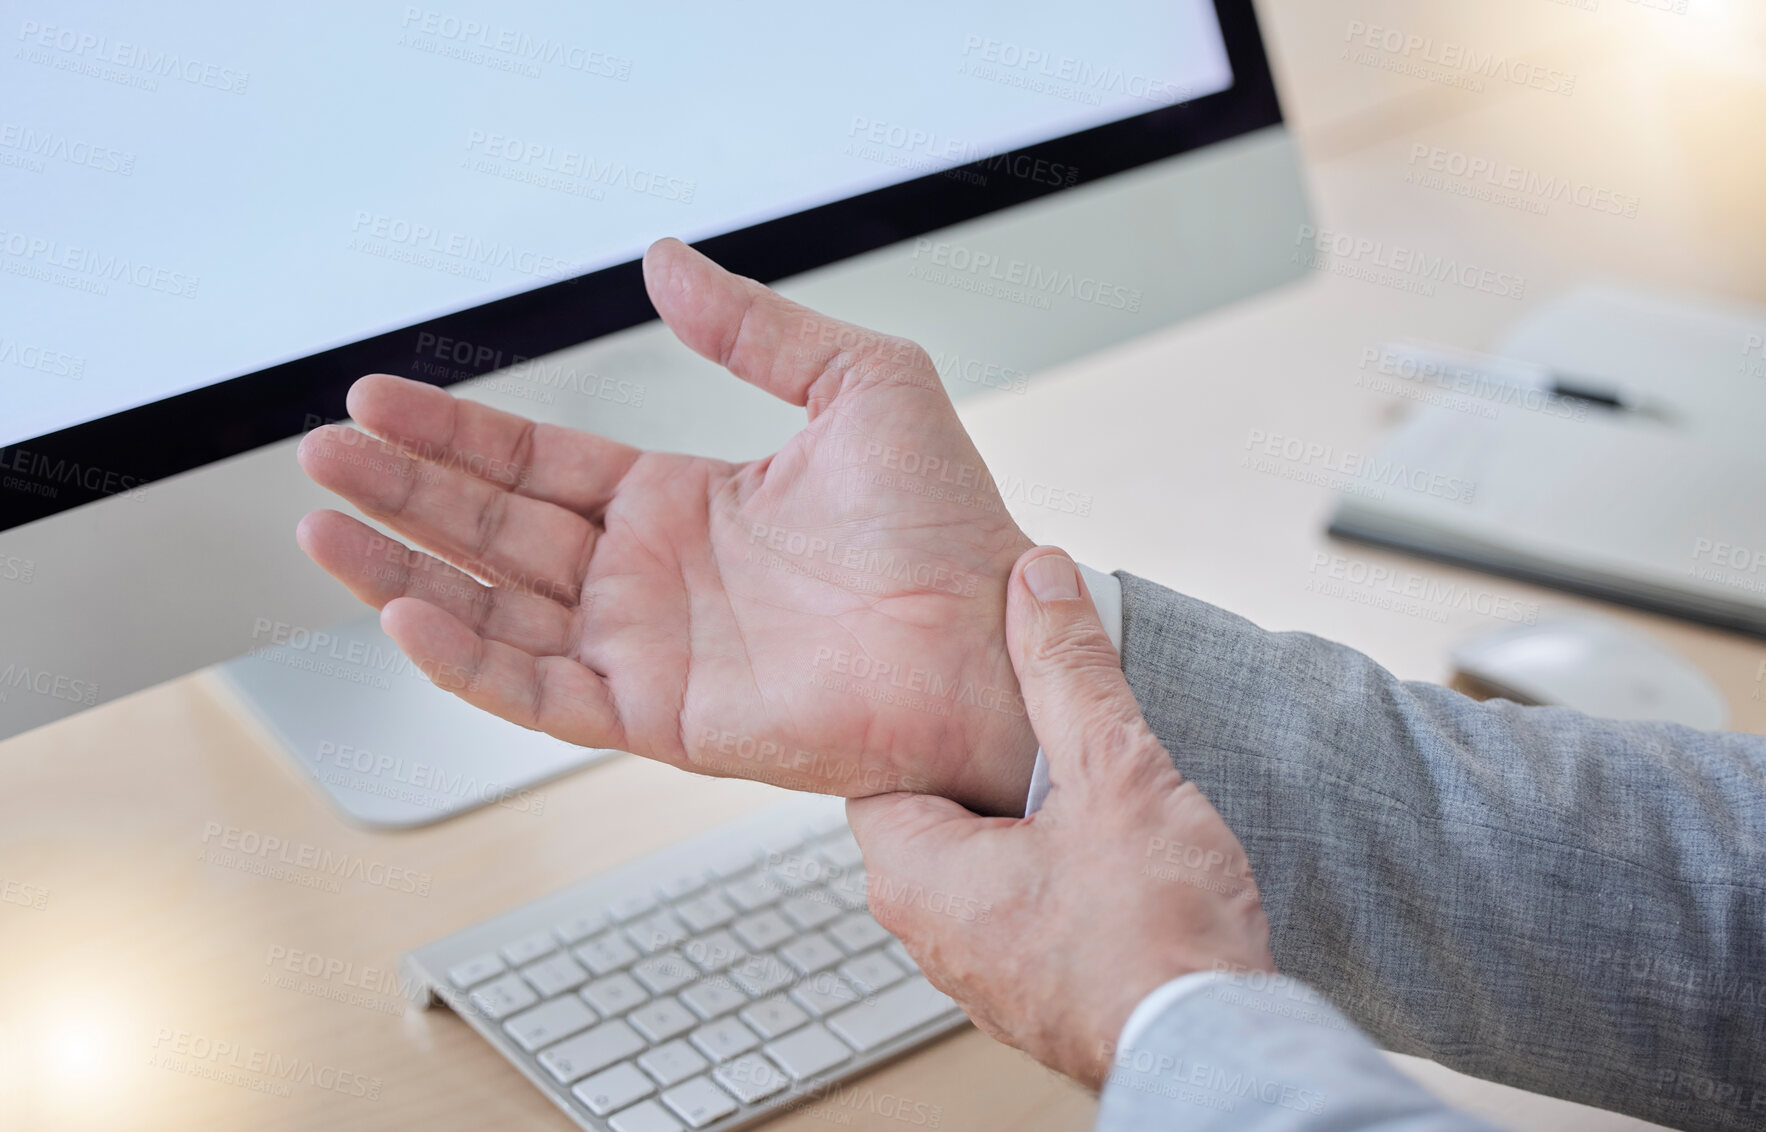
[[1728, 33], [79, 1051], [66, 1061]]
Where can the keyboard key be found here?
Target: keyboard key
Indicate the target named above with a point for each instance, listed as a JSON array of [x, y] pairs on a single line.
[[801, 861], [549, 1022], [847, 883], [664, 973], [795, 872], [554, 975], [808, 1051], [631, 907], [811, 910], [762, 974], [613, 1088], [891, 1014], [750, 1077], [771, 1017], [836, 988], [713, 952], [872, 972], [606, 953], [657, 932], [662, 1019], [502, 997], [646, 1117], [525, 950], [706, 911], [681, 884], [783, 883], [724, 1039], [673, 1063], [841, 852], [615, 994], [581, 927], [811, 953], [709, 998], [587, 1053], [474, 971], [736, 863], [699, 1102], [858, 932], [753, 891], [824, 993], [763, 931], [849, 890]]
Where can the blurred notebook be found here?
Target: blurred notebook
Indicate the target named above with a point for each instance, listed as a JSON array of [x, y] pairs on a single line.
[[1659, 504]]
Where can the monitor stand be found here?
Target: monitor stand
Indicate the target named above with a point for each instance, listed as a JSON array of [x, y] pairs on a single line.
[[1187, 234], [390, 749]]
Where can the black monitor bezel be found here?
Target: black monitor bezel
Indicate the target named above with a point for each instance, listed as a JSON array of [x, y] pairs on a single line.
[[126, 451]]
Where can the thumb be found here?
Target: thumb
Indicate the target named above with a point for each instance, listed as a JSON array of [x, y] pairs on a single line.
[[1079, 703]]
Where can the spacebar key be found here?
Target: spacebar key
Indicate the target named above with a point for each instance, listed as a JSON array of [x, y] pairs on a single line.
[[891, 1014]]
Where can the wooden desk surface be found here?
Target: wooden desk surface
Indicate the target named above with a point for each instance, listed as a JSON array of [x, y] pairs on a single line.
[[126, 947], [150, 942]]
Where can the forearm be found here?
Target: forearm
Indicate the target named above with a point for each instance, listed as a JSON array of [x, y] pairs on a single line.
[[1569, 905]]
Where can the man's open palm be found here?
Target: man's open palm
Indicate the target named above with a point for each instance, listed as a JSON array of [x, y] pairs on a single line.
[[828, 618]]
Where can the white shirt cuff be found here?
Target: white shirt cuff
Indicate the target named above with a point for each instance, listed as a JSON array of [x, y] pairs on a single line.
[[1106, 595], [1159, 1001]]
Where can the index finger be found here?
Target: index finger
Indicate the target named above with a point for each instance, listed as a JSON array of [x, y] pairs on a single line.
[[575, 470]]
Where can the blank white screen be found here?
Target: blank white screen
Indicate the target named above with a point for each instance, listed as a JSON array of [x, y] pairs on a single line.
[[196, 191]]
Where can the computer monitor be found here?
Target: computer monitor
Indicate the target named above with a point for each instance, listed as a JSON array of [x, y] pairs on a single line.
[[216, 219]]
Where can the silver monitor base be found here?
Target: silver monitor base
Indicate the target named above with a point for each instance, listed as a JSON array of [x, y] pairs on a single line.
[[390, 749]]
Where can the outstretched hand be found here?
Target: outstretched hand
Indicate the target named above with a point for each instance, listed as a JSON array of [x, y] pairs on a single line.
[[828, 618]]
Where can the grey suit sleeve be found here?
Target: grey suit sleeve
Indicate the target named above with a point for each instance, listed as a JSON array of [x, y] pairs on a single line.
[[1264, 1057], [1564, 904]]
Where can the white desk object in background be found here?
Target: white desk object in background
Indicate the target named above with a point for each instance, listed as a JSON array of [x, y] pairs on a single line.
[[1665, 511]]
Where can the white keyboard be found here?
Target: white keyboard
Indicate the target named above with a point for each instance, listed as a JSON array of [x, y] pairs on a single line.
[[707, 986]]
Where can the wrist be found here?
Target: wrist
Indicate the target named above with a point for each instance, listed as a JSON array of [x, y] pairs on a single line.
[[1112, 1007], [996, 776], [998, 744]]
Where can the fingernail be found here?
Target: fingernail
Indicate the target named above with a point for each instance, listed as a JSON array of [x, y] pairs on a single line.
[[1053, 577]]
